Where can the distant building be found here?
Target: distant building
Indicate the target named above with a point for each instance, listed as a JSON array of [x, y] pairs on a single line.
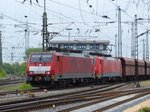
[[86, 46]]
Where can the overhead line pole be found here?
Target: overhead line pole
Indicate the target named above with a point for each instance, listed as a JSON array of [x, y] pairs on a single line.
[[136, 62], [1, 60], [12, 54], [45, 31], [136, 39], [143, 41], [136, 49], [119, 34], [116, 45], [136, 52], [132, 41], [147, 46], [26, 35]]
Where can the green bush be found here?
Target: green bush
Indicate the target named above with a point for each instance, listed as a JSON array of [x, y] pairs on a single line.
[[2, 74], [24, 86], [145, 109]]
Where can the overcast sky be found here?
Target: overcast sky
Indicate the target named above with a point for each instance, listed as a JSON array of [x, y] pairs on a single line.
[[88, 17]]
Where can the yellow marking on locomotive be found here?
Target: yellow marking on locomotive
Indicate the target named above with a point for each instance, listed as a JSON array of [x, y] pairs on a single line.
[[52, 77]]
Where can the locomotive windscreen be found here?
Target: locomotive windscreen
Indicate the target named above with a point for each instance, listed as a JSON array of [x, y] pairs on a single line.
[[41, 58]]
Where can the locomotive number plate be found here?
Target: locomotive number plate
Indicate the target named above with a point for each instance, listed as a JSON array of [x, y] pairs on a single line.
[[39, 72]]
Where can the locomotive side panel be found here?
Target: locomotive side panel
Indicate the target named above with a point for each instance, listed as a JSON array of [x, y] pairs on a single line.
[[75, 67], [112, 68]]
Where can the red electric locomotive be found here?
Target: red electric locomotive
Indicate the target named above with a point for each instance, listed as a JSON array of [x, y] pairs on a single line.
[[108, 69], [59, 68]]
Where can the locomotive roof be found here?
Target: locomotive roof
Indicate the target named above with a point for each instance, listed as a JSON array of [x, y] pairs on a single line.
[[64, 54], [81, 41], [40, 52], [77, 55]]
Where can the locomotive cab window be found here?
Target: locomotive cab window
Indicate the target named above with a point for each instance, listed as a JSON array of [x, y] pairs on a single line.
[[41, 57]]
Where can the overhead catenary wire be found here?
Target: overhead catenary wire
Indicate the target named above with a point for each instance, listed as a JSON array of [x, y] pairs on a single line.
[[38, 5], [125, 12], [77, 8], [81, 12]]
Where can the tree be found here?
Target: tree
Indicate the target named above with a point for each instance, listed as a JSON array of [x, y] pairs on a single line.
[[16, 67], [23, 68], [2, 73], [8, 68]]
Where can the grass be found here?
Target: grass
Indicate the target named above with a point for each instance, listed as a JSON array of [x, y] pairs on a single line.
[[2, 74], [22, 86], [145, 109]]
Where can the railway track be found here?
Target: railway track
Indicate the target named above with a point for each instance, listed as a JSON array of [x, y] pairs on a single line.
[[37, 103], [10, 81], [19, 91], [53, 96], [40, 90], [110, 96], [141, 94]]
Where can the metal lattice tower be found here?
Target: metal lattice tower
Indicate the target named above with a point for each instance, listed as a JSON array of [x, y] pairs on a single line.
[[116, 45], [143, 49], [26, 36], [132, 42], [26, 29], [147, 46], [136, 38], [45, 31], [12, 54], [119, 34], [136, 53], [1, 61]]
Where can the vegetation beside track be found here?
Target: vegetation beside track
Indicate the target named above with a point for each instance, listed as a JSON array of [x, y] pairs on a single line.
[[2, 74], [145, 109], [15, 68], [24, 86]]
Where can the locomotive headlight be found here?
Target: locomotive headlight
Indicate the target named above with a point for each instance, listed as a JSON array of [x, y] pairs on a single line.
[[47, 72]]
